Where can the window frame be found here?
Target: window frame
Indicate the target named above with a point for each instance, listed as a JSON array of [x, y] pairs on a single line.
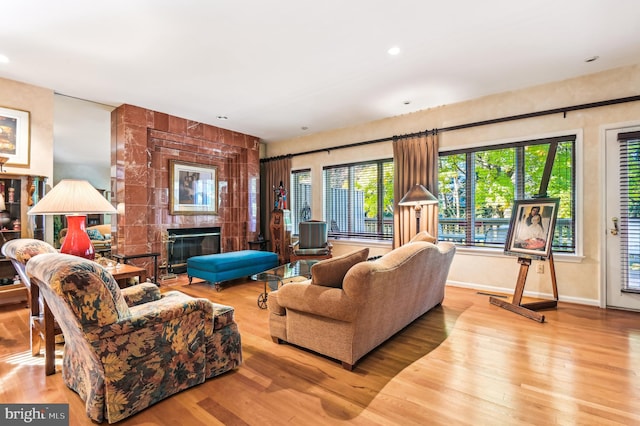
[[576, 134], [381, 223], [295, 198]]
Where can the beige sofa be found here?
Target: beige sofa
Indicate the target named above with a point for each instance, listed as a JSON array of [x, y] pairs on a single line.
[[345, 311]]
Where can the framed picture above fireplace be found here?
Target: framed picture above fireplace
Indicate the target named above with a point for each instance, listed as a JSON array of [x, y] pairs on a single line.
[[193, 188]]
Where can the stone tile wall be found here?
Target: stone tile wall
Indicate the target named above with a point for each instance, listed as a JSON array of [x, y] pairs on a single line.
[[143, 142]]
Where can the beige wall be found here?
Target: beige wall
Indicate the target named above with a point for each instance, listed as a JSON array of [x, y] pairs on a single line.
[[39, 102], [579, 278]]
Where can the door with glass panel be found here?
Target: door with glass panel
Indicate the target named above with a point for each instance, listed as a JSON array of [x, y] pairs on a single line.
[[623, 218]]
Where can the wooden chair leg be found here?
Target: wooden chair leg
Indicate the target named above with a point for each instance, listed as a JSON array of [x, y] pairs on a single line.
[[36, 335], [35, 321], [49, 342]]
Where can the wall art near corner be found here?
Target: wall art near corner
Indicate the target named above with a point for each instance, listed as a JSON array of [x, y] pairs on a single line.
[[533, 222], [14, 136], [193, 188]]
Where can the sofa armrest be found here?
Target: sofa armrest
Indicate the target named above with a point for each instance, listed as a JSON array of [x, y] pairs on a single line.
[[140, 293], [315, 299]]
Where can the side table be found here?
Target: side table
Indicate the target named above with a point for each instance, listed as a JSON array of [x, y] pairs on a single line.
[[258, 245], [126, 257], [127, 271]]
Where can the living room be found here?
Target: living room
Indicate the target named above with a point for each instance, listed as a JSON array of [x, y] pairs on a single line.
[[581, 275]]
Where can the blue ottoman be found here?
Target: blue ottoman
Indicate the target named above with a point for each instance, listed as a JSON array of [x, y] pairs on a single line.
[[220, 267]]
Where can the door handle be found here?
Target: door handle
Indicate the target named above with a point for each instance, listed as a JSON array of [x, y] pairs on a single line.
[[614, 230]]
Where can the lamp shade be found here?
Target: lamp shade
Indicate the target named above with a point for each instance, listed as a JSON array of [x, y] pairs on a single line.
[[418, 195], [73, 196]]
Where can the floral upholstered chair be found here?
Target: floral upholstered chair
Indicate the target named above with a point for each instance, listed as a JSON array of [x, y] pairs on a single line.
[[19, 252], [121, 359]]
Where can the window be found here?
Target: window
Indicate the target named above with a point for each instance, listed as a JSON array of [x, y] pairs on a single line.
[[359, 199], [300, 200], [477, 187], [629, 235]]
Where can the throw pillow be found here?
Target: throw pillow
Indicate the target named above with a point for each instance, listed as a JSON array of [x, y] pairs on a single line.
[[331, 272], [423, 236], [94, 234]]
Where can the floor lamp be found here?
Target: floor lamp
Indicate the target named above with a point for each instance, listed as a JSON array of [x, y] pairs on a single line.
[[418, 196], [75, 199]]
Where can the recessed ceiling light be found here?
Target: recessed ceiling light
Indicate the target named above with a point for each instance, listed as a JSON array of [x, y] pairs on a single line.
[[407, 102], [222, 117], [394, 50], [304, 128], [592, 59], [4, 59]]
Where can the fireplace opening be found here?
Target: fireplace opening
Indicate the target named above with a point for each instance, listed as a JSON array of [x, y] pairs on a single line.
[[183, 243]]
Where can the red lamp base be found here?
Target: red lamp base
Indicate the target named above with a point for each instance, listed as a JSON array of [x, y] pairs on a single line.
[[77, 242]]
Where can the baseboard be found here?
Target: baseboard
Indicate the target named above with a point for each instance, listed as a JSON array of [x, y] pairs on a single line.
[[493, 289]]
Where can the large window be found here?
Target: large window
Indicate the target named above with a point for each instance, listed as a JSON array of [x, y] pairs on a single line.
[[300, 199], [477, 187], [359, 199]]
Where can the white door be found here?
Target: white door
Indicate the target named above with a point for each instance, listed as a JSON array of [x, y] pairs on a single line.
[[622, 220]]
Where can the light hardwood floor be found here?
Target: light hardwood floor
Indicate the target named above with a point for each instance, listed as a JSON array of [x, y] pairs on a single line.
[[465, 362]]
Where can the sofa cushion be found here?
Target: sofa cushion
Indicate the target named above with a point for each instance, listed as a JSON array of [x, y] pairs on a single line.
[[94, 234], [423, 236], [331, 272]]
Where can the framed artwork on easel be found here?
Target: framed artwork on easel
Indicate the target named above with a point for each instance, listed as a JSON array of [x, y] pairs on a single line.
[[532, 228]]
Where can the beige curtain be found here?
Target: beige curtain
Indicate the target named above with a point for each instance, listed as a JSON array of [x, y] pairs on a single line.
[[272, 172], [416, 161]]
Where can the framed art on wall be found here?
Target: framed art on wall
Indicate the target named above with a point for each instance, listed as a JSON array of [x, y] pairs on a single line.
[[532, 227], [14, 136], [193, 188]]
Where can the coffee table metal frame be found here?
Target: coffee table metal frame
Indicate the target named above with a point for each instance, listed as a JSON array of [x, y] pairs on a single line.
[[276, 277]]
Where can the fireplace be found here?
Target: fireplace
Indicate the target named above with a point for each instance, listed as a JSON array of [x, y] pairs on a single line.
[[183, 243]]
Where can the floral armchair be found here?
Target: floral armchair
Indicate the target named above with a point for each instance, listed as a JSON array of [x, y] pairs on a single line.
[[121, 359], [19, 252]]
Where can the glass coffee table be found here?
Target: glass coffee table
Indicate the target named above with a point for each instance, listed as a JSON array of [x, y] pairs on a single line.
[[280, 275]]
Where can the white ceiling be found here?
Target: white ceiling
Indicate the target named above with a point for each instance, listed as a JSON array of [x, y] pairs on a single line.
[[273, 67]]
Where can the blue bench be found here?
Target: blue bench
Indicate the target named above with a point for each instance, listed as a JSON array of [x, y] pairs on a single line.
[[220, 267]]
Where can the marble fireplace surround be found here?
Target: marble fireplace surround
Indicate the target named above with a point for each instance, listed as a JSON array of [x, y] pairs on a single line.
[[142, 143]]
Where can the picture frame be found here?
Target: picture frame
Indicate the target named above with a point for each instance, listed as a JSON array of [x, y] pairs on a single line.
[[15, 136], [532, 228], [193, 188]]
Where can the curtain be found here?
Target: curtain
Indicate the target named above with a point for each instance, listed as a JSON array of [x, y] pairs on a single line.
[[416, 162], [272, 172]]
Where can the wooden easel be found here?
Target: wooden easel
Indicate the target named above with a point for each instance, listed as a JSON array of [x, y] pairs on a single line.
[[529, 309]]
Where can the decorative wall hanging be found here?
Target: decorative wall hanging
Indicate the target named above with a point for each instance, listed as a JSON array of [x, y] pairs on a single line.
[[193, 188], [14, 136]]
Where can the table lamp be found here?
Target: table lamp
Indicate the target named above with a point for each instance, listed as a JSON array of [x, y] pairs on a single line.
[[418, 196], [75, 199]]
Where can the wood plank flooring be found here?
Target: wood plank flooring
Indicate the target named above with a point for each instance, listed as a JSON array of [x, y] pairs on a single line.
[[466, 362]]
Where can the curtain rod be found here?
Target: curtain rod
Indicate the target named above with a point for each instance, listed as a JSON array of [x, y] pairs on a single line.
[[563, 110]]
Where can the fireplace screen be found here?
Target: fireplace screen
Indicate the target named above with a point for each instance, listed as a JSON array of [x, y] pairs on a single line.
[[184, 243]]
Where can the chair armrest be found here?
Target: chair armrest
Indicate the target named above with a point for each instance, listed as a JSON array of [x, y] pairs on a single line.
[[323, 301], [157, 312], [140, 293]]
